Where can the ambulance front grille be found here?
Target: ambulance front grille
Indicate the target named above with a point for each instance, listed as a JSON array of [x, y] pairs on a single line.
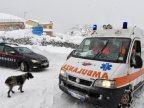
[[81, 81], [71, 87], [83, 91]]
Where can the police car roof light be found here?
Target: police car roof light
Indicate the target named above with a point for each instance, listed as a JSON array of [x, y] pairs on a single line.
[[125, 24]]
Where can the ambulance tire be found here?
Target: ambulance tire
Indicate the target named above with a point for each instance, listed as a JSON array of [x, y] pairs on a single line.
[[24, 67], [126, 99]]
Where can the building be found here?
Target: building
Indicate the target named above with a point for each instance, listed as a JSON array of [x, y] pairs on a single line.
[[32, 23], [8, 26], [10, 22], [48, 27]]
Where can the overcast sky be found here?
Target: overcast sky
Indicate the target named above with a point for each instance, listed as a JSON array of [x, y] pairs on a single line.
[[66, 13]]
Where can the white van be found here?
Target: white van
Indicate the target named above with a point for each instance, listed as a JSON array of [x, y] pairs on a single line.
[[105, 69]]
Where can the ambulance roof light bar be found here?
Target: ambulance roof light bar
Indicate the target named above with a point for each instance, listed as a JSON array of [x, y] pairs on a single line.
[[109, 26]]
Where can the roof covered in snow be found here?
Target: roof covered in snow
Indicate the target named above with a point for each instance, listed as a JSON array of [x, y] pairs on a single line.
[[10, 18]]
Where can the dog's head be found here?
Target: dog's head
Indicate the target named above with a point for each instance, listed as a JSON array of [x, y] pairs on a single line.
[[29, 75]]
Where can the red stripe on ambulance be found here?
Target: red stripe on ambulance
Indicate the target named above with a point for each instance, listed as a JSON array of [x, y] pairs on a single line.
[[120, 81]]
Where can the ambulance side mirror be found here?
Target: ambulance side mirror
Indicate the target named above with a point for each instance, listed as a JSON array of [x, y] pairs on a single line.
[[136, 62], [71, 54]]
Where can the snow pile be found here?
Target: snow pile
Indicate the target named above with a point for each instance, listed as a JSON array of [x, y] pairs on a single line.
[[80, 30], [10, 18], [15, 34], [49, 48], [26, 36], [76, 39]]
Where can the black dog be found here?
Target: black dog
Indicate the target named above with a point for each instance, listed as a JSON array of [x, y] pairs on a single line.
[[17, 80]]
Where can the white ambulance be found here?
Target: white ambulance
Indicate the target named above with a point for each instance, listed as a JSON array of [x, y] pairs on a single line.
[[105, 69]]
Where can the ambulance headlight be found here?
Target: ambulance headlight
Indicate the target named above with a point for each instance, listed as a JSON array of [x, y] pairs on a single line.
[[105, 83], [63, 73]]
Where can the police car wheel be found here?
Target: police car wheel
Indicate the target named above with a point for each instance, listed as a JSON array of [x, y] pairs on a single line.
[[23, 67]]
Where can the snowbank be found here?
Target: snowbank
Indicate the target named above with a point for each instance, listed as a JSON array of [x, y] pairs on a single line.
[[10, 18], [26, 36]]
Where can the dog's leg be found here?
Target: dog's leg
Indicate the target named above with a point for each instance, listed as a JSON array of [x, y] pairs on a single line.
[[20, 88], [10, 89]]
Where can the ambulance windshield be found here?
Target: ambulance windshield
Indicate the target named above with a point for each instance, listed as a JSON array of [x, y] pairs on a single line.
[[104, 49]]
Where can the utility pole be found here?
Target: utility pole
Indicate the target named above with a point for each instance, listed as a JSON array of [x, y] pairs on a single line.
[[25, 13]]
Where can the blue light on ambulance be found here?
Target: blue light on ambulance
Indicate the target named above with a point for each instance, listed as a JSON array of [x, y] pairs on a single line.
[[125, 24], [94, 27]]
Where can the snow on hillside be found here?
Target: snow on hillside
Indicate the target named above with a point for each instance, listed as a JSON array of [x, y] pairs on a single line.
[[27, 33], [10, 18], [81, 30], [76, 39]]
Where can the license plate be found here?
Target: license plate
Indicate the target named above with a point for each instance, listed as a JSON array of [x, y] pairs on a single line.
[[77, 96]]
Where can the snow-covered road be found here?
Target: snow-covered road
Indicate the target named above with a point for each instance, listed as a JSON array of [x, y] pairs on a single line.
[[43, 90]]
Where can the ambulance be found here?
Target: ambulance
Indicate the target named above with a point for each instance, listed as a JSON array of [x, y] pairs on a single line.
[[107, 68]]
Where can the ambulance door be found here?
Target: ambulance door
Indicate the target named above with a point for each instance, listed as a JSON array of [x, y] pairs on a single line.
[[136, 63]]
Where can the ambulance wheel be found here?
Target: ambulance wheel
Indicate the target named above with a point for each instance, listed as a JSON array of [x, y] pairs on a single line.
[[126, 99], [23, 67]]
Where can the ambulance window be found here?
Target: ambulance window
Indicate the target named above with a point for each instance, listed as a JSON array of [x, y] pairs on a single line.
[[86, 45], [104, 49], [1, 48], [9, 50], [137, 47]]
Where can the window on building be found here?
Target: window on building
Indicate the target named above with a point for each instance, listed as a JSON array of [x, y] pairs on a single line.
[[50, 27]]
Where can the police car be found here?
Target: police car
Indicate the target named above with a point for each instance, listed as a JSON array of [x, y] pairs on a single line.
[[13, 55]]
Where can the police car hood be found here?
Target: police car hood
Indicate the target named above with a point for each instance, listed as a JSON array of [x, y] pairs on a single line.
[[90, 69], [35, 56]]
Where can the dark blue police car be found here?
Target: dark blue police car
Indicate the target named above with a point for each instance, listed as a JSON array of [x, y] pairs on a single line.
[[13, 55]]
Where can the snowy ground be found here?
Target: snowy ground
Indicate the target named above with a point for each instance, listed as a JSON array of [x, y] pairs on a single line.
[[43, 90]]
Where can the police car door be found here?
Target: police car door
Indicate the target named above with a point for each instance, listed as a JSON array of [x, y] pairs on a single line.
[[2, 56], [10, 56]]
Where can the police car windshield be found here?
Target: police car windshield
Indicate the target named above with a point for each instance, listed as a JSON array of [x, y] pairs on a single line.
[[104, 49], [23, 50]]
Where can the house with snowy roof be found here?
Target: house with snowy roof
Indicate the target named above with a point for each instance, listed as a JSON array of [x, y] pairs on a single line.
[[10, 22]]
